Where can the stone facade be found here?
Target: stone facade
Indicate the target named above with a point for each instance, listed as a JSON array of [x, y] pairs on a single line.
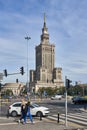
[[15, 87], [45, 75]]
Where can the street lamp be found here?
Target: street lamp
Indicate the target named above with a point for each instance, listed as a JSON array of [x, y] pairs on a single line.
[[27, 38]]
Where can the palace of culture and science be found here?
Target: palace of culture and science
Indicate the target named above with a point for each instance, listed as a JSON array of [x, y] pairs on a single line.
[[45, 74]]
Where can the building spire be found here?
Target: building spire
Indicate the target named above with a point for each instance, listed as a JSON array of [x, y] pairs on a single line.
[[45, 35], [44, 20]]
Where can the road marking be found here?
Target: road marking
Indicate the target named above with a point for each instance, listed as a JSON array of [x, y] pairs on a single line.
[[5, 118], [75, 118], [13, 123], [62, 122], [79, 119], [16, 123]]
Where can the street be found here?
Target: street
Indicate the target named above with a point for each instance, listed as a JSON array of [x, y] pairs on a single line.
[[75, 115], [55, 106]]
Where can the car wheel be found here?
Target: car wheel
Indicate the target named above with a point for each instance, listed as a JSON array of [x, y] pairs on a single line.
[[14, 114], [75, 103], [39, 113]]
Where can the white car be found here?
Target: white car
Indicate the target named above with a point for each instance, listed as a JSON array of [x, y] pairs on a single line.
[[36, 110], [56, 97]]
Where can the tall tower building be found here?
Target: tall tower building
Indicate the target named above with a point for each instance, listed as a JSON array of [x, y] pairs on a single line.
[[45, 74]]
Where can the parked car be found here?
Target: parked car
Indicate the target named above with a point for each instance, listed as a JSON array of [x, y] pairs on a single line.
[[79, 100], [36, 110], [56, 97]]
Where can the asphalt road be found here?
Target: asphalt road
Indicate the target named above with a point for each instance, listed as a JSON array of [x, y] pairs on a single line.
[[59, 106], [55, 106]]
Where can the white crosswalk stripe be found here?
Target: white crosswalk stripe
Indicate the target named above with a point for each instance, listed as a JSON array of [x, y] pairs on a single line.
[[77, 118], [15, 123]]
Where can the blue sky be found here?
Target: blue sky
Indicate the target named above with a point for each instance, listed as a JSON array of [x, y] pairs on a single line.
[[67, 26]]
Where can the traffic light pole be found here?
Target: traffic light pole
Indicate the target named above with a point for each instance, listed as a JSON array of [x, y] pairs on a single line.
[[6, 74], [13, 73], [0, 98], [27, 38], [66, 102]]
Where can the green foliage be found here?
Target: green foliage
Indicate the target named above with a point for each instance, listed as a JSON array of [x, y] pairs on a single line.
[[72, 91], [77, 90], [50, 91], [24, 91], [7, 92], [61, 90]]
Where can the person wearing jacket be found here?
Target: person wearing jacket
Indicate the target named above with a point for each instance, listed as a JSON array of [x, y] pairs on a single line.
[[23, 112], [28, 111]]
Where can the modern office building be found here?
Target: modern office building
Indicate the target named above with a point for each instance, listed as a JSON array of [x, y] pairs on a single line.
[[45, 73]]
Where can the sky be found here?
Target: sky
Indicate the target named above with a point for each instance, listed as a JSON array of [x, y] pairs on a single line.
[[66, 21]]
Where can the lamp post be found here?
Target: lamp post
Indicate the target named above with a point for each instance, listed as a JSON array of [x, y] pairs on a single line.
[[27, 38]]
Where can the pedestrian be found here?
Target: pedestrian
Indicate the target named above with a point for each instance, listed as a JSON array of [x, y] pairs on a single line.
[[23, 112], [28, 112]]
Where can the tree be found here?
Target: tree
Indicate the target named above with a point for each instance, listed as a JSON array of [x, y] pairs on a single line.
[[50, 91], [61, 90], [7, 93]]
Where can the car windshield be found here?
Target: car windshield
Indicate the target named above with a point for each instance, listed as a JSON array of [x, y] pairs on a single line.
[[77, 98], [35, 105], [17, 105]]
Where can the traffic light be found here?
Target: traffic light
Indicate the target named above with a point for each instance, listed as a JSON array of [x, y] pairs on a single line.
[[22, 70], [5, 73], [68, 83], [17, 81]]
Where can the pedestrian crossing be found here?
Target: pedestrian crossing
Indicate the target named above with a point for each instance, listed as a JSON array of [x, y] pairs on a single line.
[[77, 118]]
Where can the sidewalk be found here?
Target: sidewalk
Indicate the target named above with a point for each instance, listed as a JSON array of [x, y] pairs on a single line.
[[8, 123], [83, 110]]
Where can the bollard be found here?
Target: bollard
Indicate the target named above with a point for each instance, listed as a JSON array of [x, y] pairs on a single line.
[[85, 107], [58, 118], [7, 113], [40, 116]]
